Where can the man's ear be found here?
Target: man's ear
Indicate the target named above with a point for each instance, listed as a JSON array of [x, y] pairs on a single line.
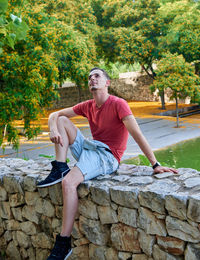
[[107, 83]]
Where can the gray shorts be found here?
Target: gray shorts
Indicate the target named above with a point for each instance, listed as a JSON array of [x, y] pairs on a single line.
[[92, 157]]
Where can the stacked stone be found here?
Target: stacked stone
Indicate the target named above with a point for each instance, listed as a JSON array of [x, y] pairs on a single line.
[[135, 87], [70, 95], [129, 215]]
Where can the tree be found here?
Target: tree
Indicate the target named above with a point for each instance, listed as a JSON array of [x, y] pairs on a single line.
[[175, 73], [12, 29], [29, 73], [182, 35], [132, 33], [74, 46], [141, 31]]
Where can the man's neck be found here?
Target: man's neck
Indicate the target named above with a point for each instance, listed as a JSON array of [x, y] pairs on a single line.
[[100, 97]]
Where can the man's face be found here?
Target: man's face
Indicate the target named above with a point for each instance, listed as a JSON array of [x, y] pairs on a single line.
[[97, 80]]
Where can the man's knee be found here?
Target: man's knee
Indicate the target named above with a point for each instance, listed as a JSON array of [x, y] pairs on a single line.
[[72, 180], [67, 185], [63, 120]]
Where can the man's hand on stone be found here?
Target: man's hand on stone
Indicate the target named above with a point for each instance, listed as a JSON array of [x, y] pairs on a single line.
[[55, 137], [161, 169]]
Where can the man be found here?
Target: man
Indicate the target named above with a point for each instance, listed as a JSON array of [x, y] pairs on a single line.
[[110, 120]]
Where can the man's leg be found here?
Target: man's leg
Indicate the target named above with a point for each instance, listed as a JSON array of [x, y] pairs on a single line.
[[70, 199], [62, 248], [68, 132]]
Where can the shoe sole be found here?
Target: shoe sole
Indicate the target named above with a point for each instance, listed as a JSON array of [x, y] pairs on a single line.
[[52, 183], [68, 255]]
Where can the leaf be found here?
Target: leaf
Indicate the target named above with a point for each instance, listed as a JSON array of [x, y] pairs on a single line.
[[2, 21], [47, 156], [3, 31], [10, 41], [20, 29], [3, 6]]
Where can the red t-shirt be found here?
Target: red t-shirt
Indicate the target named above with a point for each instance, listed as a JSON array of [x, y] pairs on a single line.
[[106, 122]]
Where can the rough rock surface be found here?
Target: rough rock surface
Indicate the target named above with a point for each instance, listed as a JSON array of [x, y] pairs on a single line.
[[132, 214]]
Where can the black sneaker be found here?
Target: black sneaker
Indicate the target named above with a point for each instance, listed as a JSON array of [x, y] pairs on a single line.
[[62, 248], [58, 172]]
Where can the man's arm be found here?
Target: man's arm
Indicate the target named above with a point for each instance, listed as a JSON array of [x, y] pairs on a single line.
[[134, 130], [53, 117], [52, 123]]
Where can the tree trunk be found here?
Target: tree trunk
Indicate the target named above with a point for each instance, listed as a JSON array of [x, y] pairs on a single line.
[[197, 68], [162, 96], [177, 116], [60, 79], [153, 75]]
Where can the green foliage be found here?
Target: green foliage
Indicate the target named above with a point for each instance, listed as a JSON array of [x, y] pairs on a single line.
[[175, 73], [141, 31], [131, 32], [51, 157], [47, 156], [3, 6], [114, 69], [74, 53], [45, 42], [30, 73], [77, 13], [12, 29], [182, 34]]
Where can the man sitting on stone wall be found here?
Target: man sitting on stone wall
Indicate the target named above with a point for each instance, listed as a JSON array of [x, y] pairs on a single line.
[[110, 120]]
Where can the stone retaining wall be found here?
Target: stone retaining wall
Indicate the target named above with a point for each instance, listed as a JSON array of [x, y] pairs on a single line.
[[136, 87], [69, 96], [132, 214], [133, 87]]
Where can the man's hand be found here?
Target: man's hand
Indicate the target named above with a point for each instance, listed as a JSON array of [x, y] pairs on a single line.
[[161, 169], [56, 138]]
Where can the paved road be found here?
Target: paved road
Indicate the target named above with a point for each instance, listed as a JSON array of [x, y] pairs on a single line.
[[159, 133]]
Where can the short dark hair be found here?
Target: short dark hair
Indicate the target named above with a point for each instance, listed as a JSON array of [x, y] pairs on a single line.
[[104, 72]]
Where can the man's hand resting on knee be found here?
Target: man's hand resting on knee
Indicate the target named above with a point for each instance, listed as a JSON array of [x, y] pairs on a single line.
[[55, 137]]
